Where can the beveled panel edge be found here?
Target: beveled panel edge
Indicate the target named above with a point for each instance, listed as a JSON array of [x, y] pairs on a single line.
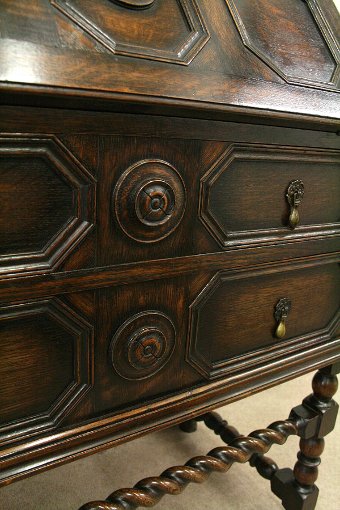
[[258, 357], [326, 31], [108, 431], [262, 237], [329, 31], [61, 245], [183, 54], [83, 368]]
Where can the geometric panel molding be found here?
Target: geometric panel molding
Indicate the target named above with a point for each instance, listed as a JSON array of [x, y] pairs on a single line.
[[243, 196], [45, 366], [144, 32], [312, 60], [218, 346], [47, 203]]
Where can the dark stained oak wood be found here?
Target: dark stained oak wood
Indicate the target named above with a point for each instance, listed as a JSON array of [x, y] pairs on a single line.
[[47, 200], [111, 26], [238, 78], [146, 234], [238, 181], [66, 123], [301, 59], [237, 310]]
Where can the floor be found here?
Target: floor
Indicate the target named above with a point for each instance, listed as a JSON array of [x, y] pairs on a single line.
[[68, 487]]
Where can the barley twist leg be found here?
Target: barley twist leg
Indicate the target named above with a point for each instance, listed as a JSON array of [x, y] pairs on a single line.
[[149, 491]]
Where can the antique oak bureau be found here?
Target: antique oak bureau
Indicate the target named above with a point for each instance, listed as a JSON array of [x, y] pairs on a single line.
[[169, 229]]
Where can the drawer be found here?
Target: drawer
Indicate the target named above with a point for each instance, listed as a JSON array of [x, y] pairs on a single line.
[[80, 201], [115, 360], [159, 338], [246, 318], [265, 194]]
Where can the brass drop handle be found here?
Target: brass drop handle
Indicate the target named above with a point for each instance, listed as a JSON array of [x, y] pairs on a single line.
[[282, 310], [294, 196]]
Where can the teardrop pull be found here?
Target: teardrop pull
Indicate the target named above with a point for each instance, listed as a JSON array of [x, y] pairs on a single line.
[[294, 196], [282, 310]]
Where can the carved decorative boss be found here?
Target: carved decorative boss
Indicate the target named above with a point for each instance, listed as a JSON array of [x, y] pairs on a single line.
[[149, 200], [143, 345], [140, 28]]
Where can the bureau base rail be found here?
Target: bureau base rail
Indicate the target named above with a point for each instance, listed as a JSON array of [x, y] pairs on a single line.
[[311, 421]]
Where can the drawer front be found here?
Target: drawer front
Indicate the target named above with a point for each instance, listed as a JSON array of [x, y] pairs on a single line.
[[247, 196], [245, 318], [82, 369], [155, 199]]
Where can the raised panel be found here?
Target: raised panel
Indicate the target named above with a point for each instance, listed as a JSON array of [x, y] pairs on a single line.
[[233, 322], [47, 203], [45, 366], [244, 195], [293, 37], [125, 29]]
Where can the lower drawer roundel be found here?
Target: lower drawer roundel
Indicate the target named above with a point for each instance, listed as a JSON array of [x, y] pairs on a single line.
[[234, 322]]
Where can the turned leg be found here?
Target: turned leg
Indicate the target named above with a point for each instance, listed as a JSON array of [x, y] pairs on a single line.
[[312, 420], [297, 488]]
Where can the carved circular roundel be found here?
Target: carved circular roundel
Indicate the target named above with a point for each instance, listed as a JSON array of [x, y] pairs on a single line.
[[149, 200], [142, 345]]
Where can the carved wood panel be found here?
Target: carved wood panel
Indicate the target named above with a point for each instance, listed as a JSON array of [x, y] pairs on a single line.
[[47, 203], [293, 37], [149, 200], [245, 195], [150, 188], [45, 366], [143, 345], [140, 348], [141, 29], [234, 320]]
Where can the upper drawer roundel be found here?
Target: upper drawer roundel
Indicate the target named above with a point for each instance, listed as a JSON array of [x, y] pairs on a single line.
[[46, 200]]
